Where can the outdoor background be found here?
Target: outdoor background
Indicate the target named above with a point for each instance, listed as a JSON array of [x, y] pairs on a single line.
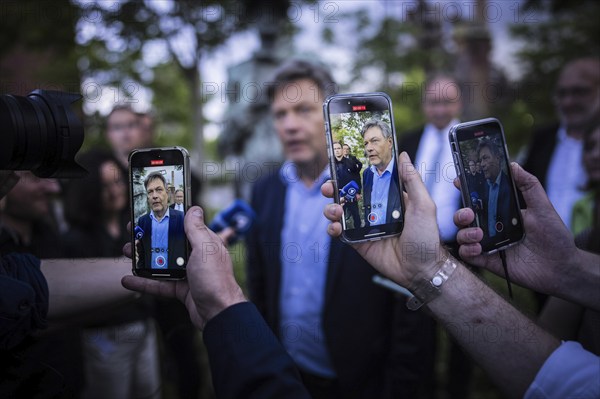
[[200, 66]]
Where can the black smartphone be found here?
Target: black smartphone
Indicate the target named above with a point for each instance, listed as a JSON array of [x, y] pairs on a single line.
[[487, 186], [363, 162], [159, 192]]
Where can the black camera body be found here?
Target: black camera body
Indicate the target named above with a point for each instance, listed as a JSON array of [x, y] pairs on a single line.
[[41, 133]]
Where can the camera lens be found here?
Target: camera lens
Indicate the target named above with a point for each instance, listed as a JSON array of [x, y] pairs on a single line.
[[40, 133]]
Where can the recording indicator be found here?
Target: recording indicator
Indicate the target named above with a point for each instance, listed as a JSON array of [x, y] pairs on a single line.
[[359, 108]]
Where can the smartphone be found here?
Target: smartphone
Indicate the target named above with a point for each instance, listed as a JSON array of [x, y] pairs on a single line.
[[363, 161], [159, 192], [487, 186]]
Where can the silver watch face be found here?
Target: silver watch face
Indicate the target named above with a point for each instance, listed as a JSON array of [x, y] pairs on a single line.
[[437, 281]]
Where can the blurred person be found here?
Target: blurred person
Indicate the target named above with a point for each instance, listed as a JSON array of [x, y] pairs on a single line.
[[554, 154], [124, 133], [496, 210], [347, 171], [305, 284], [567, 320], [181, 365], [428, 147], [27, 225], [381, 191], [120, 349], [178, 204]]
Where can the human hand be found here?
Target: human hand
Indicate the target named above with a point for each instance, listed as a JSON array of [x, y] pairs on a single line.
[[542, 258], [210, 286], [414, 254]]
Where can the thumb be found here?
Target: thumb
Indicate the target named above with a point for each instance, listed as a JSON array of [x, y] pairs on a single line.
[[529, 186], [411, 179], [195, 228]]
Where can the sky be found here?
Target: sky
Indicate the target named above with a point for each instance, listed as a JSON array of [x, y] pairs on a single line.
[[311, 20]]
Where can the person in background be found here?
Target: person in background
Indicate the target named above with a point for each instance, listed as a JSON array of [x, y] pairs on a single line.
[[554, 154], [120, 349], [28, 225], [178, 204], [305, 284], [567, 320], [428, 147], [346, 171], [127, 130]]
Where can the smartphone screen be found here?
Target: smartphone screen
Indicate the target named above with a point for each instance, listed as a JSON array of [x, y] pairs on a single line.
[[159, 192], [364, 166], [487, 186]]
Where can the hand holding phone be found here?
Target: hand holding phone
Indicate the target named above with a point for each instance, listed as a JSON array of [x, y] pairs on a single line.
[[362, 126], [159, 193], [487, 186]]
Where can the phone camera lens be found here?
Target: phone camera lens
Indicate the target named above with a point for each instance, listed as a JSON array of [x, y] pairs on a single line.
[[348, 102]]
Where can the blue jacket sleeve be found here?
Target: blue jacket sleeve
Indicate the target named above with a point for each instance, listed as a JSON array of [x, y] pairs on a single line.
[[23, 298], [247, 360]]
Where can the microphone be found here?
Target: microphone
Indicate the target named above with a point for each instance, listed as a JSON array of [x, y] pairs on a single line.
[[239, 216], [349, 191], [139, 233], [476, 201]]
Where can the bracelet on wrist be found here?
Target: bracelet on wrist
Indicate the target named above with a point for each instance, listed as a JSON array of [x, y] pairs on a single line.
[[426, 290]]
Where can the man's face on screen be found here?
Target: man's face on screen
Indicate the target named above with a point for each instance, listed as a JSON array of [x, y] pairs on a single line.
[[157, 196], [377, 147]]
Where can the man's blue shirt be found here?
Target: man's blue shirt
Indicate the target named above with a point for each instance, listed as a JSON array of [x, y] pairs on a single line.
[[304, 260], [380, 192], [160, 241]]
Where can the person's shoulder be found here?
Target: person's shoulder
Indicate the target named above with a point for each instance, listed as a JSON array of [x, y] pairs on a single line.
[[269, 179], [176, 213], [411, 134]]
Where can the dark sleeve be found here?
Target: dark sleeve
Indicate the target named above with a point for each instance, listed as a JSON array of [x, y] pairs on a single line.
[[23, 298], [255, 280], [246, 360]]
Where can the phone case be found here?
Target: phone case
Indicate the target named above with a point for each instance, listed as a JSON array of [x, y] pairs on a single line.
[[329, 134], [460, 167]]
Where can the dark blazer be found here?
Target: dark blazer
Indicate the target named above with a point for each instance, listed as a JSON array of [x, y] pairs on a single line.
[[409, 142], [172, 206], [348, 170], [246, 360], [359, 317], [540, 152], [393, 201], [176, 239], [503, 213]]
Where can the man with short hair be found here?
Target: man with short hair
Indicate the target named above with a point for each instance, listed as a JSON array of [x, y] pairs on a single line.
[[163, 240], [554, 155], [381, 190], [305, 284], [347, 171], [178, 204]]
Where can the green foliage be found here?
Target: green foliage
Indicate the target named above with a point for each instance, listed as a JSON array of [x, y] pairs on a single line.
[[347, 128], [553, 33]]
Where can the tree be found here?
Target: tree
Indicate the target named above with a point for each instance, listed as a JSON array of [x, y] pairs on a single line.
[[116, 37]]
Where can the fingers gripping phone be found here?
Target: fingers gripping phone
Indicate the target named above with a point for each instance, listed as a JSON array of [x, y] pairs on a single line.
[[487, 186], [363, 161], [159, 192]]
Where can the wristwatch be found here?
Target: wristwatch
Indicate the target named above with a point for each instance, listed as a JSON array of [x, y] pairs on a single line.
[[425, 291]]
